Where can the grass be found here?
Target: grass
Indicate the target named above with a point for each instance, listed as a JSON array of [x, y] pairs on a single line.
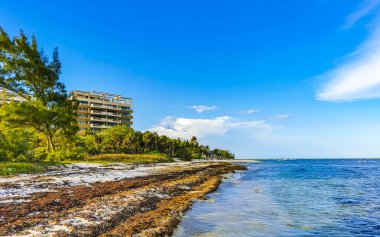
[[129, 158], [11, 168]]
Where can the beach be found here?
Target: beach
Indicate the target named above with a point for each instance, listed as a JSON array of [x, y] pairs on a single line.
[[106, 200]]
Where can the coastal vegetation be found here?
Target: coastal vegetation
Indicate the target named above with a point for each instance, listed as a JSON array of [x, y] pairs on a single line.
[[124, 140], [10, 168], [43, 127], [153, 157], [29, 73]]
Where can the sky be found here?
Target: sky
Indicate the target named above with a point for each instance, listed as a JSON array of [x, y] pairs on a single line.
[[264, 79]]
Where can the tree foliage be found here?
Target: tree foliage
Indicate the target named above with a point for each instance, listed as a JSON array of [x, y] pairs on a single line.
[[28, 72], [18, 145], [121, 139]]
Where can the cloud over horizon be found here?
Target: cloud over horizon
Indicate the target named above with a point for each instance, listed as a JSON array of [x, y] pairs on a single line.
[[187, 127], [202, 108]]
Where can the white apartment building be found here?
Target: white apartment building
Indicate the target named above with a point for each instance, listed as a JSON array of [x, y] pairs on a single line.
[[99, 110], [6, 96]]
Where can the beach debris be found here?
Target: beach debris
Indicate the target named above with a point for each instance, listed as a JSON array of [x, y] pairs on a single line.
[[143, 201]]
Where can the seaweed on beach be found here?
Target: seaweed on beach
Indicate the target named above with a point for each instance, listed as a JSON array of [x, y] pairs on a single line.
[[150, 205]]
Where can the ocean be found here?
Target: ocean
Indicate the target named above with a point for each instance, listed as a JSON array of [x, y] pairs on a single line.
[[337, 197]]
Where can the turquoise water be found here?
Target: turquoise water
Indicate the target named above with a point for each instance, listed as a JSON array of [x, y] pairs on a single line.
[[292, 198]]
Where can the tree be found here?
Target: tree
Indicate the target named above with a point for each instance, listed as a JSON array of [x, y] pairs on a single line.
[[122, 139], [116, 139], [194, 141], [222, 154], [90, 144], [147, 139], [205, 151], [17, 144], [28, 72]]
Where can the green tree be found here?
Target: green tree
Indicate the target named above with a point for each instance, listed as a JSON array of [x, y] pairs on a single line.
[[137, 144], [90, 143], [222, 154], [193, 141], [147, 139], [121, 139], [17, 145], [116, 139], [28, 72]]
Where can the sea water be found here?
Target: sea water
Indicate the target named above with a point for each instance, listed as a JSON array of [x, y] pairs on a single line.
[[292, 198]]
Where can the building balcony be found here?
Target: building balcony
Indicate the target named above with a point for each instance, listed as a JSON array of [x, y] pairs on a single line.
[[98, 126], [98, 119], [83, 106], [84, 125], [114, 114], [83, 112], [83, 119], [98, 106], [123, 103], [113, 121], [113, 107], [98, 112]]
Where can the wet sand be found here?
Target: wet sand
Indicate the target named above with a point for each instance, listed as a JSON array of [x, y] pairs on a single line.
[[115, 200]]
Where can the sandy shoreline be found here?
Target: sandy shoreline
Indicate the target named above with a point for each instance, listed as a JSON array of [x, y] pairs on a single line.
[[113, 200]]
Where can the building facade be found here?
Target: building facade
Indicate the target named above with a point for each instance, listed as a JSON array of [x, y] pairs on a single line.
[[99, 110], [6, 96]]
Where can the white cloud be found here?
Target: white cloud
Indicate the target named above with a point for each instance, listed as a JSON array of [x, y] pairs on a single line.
[[251, 111], [242, 137], [281, 116], [187, 127], [366, 8], [358, 77], [202, 108]]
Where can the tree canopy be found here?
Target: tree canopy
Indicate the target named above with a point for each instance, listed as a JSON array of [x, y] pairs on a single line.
[[121, 139], [28, 72]]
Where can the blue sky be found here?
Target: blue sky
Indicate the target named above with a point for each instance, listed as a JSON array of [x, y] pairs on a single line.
[[264, 79]]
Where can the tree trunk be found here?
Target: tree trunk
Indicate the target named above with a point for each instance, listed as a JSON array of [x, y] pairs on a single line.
[[50, 146]]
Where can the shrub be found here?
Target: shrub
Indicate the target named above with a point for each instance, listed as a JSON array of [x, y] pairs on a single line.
[[40, 153], [21, 168], [130, 158], [17, 145], [75, 153]]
